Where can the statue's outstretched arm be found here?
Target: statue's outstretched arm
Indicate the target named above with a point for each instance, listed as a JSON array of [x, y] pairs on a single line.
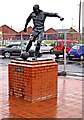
[[47, 14]]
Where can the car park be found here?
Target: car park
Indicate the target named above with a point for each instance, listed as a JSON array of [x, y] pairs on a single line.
[[77, 51], [15, 49]]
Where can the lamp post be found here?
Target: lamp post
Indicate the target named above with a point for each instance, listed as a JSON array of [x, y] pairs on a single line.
[[72, 22], [21, 43], [79, 19], [64, 50]]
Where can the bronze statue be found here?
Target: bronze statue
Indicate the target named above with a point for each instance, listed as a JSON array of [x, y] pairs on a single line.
[[38, 16]]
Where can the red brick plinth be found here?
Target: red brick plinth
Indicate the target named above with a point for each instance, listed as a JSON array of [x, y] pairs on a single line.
[[33, 81]]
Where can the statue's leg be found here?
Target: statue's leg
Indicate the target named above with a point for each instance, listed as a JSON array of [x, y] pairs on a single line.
[[30, 43], [29, 46], [40, 38], [25, 55], [32, 38], [37, 49]]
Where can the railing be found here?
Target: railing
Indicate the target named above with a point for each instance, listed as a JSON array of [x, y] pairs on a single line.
[[8, 38]]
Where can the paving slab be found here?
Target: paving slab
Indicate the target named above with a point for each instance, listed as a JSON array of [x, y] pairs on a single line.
[[67, 103]]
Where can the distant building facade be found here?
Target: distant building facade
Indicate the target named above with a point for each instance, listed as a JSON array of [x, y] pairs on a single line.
[[51, 34], [7, 33], [71, 34], [25, 35]]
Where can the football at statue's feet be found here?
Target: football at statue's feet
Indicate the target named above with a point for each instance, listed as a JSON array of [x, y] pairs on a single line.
[[24, 55]]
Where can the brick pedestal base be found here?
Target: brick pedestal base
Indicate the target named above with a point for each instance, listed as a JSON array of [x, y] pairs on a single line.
[[33, 81]]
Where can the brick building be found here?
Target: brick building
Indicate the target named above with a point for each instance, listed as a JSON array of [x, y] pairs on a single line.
[[8, 33], [50, 34], [71, 33], [25, 35]]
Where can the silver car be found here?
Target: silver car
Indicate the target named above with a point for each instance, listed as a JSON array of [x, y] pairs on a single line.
[[43, 49]]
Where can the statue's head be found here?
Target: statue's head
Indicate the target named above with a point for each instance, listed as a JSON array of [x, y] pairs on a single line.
[[36, 8]]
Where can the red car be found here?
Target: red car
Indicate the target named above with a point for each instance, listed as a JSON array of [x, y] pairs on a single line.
[[58, 46]]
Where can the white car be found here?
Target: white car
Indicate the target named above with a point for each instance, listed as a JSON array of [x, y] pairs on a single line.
[[43, 49]]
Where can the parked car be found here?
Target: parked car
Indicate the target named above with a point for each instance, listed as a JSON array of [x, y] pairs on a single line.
[[43, 49], [77, 51], [58, 46], [13, 50]]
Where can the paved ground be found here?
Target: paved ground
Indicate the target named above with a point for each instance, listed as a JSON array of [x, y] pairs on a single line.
[[67, 104], [74, 68]]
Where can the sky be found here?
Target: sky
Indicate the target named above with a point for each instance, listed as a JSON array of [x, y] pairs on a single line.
[[15, 12]]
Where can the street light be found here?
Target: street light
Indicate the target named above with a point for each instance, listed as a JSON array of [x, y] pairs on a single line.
[[72, 22], [79, 16]]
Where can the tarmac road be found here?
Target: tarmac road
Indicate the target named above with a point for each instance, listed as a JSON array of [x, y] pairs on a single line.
[[72, 68]]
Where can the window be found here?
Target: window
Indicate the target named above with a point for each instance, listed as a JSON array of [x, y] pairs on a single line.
[[83, 30], [9, 46], [71, 44], [57, 44], [83, 48], [23, 47], [76, 47], [15, 47], [66, 44]]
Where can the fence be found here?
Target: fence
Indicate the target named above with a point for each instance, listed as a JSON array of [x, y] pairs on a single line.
[[6, 39]]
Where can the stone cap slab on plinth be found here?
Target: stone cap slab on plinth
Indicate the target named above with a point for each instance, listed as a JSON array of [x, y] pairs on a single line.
[[30, 59]]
